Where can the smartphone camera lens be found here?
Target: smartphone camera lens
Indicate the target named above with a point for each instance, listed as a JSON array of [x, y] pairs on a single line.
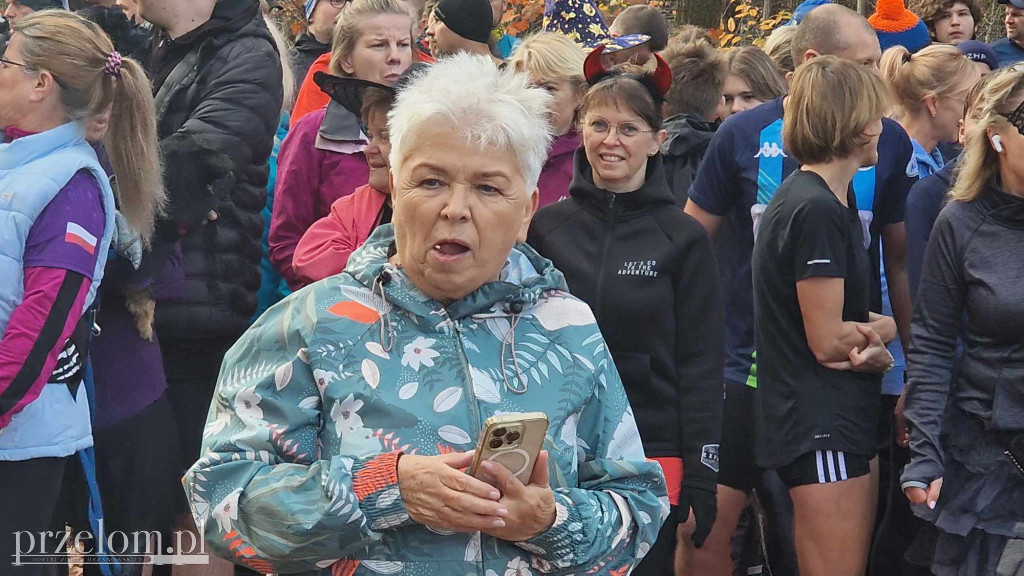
[[496, 443], [499, 432], [512, 437]]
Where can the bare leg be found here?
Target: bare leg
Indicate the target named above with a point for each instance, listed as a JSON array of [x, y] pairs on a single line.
[[715, 557], [216, 567], [833, 525]]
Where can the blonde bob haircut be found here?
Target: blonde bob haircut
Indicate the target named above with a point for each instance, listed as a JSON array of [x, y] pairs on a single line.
[[831, 104], [347, 32], [550, 56], [934, 71], [492, 109], [75, 52], [1002, 92]]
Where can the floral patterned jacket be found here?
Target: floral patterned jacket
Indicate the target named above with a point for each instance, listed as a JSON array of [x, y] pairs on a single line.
[[317, 400]]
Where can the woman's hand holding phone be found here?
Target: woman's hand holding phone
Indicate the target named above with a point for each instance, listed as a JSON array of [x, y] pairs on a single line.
[[530, 507]]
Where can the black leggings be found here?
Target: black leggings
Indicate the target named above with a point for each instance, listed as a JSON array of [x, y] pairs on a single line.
[[29, 493]]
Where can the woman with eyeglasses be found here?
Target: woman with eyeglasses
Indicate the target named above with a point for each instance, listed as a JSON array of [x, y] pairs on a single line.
[[648, 272], [57, 223], [966, 473]]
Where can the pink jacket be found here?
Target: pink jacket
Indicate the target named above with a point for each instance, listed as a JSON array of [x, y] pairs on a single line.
[[557, 173], [310, 179], [325, 248]]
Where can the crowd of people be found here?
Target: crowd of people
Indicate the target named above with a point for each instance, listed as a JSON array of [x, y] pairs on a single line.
[[269, 291]]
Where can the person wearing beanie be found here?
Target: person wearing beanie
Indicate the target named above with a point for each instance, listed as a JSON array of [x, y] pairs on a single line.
[[461, 26], [803, 9], [983, 56], [897, 26], [315, 42], [21, 8], [1010, 49]]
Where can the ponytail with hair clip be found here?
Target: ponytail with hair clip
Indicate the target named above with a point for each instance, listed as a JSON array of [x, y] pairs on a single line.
[[657, 82]]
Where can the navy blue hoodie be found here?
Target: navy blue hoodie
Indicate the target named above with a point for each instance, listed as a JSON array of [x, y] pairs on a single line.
[[924, 202]]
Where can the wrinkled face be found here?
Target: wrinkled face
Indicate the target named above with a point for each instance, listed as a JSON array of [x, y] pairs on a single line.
[[869, 153], [955, 26], [17, 85], [568, 97], [323, 19], [377, 150], [458, 211], [1014, 22], [618, 143], [16, 10], [738, 95], [383, 51], [442, 40]]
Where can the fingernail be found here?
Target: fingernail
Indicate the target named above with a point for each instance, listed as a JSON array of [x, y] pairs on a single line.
[[499, 524], [931, 505], [502, 512], [487, 465], [495, 495]]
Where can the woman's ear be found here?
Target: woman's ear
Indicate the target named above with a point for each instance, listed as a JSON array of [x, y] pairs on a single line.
[[44, 85], [931, 105], [346, 65], [659, 139]]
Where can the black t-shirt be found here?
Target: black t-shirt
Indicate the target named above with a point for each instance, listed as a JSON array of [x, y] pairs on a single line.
[[801, 405]]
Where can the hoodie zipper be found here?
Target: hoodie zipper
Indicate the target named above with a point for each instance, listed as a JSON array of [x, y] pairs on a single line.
[[612, 209], [470, 395]]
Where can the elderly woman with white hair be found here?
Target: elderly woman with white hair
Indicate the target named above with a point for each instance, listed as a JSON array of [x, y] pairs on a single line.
[[345, 417]]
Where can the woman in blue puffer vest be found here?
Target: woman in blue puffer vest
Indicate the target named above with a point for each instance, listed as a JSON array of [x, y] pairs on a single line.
[[57, 220]]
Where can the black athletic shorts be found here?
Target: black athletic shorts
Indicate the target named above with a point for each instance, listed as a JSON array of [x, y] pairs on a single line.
[[824, 467], [737, 462]]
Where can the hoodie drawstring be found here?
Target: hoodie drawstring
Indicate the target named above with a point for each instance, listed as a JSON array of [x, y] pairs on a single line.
[[509, 342], [379, 283]]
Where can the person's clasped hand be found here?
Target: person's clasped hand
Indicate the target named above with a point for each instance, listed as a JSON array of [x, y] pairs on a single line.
[[873, 359], [531, 507], [437, 493]]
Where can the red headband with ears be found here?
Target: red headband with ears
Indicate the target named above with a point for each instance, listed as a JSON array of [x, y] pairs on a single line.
[[658, 81]]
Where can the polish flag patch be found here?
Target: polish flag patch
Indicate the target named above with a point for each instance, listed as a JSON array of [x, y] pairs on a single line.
[[79, 236]]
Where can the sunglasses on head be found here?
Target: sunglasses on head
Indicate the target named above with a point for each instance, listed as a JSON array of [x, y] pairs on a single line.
[[1016, 118]]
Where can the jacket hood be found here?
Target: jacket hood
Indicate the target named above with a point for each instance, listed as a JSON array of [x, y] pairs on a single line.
[[309, 44], [523, 280], [686, 133], [1001, 207], [229, 18], [565, 144], [654, 190]]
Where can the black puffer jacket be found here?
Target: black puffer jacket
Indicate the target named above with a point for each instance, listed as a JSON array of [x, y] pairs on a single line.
[[688, 139], [648, 272], [217, 129]]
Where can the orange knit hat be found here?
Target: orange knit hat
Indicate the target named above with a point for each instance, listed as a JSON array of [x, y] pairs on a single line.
[[897, 26]]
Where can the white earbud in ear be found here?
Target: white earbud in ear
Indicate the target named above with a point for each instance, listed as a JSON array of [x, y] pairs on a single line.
[[997, 143]]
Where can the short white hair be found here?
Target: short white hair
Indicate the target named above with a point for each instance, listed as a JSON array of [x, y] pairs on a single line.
[[492, 108]]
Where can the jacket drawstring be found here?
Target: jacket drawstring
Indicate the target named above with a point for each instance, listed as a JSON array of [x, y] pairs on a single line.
[[509, 342], [382, 280]]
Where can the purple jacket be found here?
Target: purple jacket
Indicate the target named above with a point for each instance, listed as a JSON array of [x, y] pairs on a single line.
[[310, 178], [557, 172]]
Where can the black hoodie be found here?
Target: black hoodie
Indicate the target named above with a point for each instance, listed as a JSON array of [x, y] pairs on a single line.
[[307, 49], [688, 139], [648, 271]]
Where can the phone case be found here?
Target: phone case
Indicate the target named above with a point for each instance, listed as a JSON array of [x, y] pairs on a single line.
[[512, 440]]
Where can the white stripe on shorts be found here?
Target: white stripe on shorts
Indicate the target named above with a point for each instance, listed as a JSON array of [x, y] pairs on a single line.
[[842, 466], [821, 470], [831, 467]]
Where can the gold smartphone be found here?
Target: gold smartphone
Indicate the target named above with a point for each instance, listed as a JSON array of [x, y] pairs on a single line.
[[512, 440]]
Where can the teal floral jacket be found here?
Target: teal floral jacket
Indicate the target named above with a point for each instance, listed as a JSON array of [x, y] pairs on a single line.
[[317, 400]]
